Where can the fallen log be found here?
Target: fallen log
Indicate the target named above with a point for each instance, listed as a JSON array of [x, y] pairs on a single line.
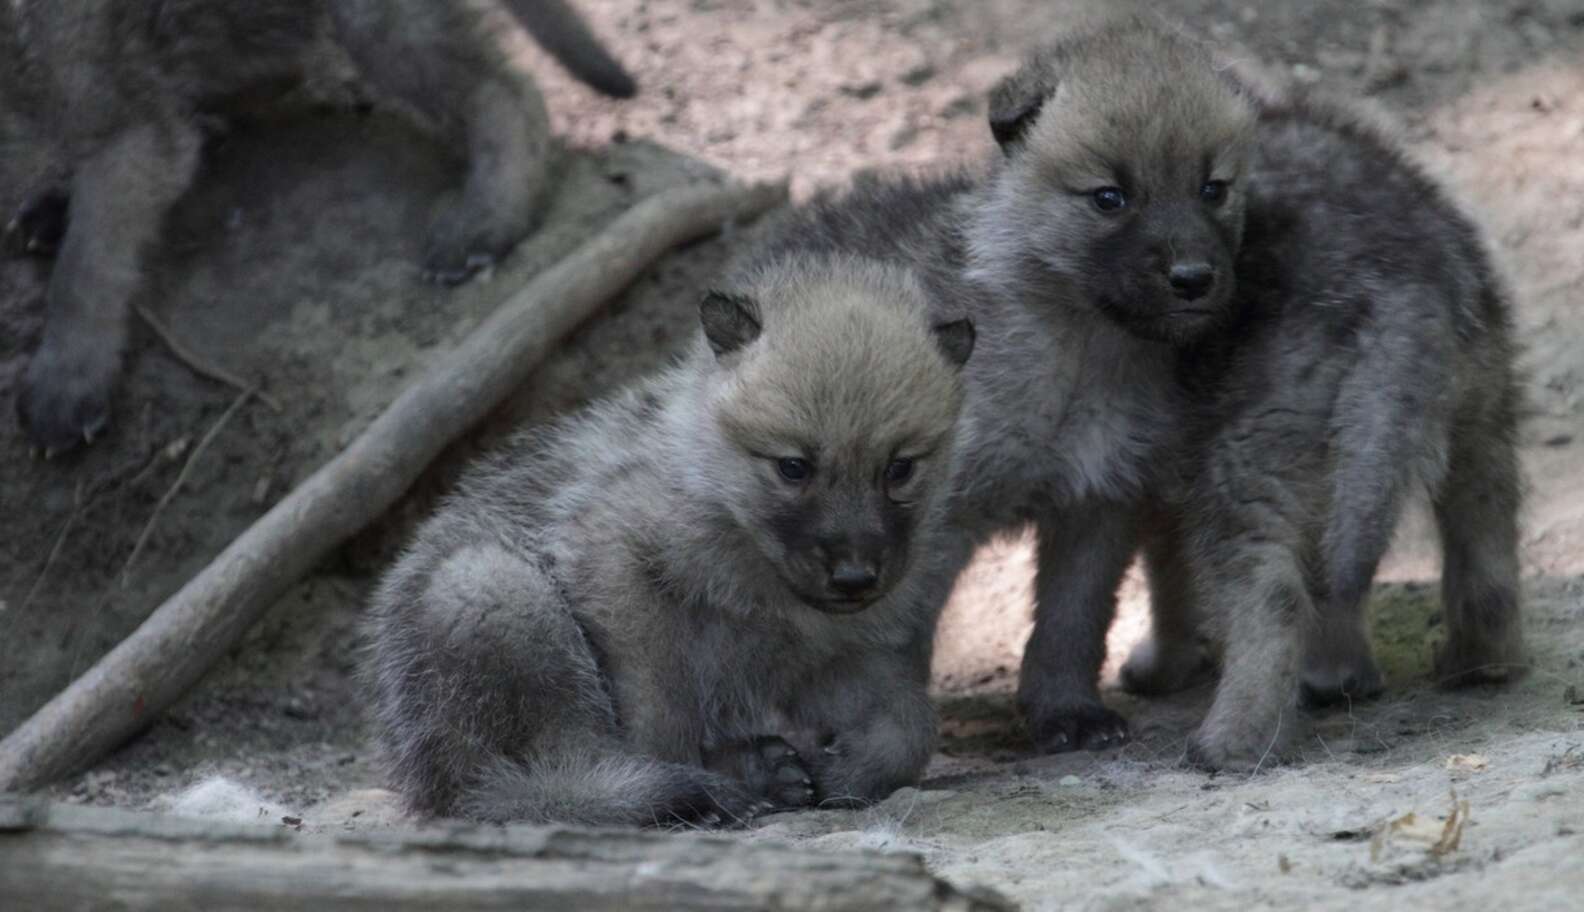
[[68, 857], [161, 660]]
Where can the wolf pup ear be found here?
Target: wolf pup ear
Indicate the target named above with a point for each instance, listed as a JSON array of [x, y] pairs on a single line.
[[730, 321], [1015, 102], [956, 340]]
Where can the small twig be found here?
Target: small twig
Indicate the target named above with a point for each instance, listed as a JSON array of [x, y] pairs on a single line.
[[1268, 748], [1169, 814], [60, 541], [1322, 740], [1520, 667], [198, 364], [192, 458], [83, 501]]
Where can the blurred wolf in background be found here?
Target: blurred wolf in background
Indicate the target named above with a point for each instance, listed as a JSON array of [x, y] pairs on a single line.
[[118, 91]]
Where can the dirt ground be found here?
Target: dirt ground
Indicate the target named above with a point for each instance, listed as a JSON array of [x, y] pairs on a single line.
[[292, 262]]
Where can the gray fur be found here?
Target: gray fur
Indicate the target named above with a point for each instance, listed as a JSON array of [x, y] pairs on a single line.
[[118, 89], [1364, 351], [559, 30], [634, 617], [1066, 415], [1073, 394]]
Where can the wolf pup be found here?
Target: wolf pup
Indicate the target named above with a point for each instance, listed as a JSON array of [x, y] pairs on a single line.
[[1067, 416], [1343, 340], [120, 88], [696, 601]]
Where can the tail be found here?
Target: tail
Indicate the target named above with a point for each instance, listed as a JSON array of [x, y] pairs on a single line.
[[1391, 418], [559, 30], [590, 788]]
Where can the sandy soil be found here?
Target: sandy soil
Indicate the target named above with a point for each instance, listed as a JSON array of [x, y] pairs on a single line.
[[291, 262]]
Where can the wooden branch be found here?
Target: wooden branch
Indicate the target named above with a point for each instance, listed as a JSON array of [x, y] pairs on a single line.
[[197, 363], [67, 857], [178, 643], [181, 478]]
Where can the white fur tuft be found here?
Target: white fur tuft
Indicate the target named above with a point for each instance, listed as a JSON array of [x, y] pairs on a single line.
[[219, 798]]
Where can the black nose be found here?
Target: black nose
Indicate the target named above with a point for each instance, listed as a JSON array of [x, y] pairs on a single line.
[[1191, 280], [854, 578]]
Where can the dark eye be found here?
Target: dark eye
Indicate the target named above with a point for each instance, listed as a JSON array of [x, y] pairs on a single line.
[[1213, 192], [898, 471], [1109, 199], [794, 469]]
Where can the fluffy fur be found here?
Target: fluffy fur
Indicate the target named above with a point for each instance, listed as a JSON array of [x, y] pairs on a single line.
[[1066, 416], [699, 599], [119, 90], [1362, 348]]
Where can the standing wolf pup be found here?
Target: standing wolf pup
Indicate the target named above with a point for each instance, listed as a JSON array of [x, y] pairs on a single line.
[[1358, 348], [699, 600], [119, 89], [1067, 413]]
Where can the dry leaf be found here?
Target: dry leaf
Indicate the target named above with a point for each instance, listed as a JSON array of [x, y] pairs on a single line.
[[1440, 838], [1409, 827], [1467, 763], [1452, 832], [1384, 778]]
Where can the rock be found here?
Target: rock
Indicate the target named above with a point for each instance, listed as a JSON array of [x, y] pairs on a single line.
[[863, 91]]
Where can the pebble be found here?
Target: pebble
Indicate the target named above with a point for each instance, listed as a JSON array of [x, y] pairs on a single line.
[[961, 106], [1305, 73], [919, 75], [1069, 781], [863, 91], [904, 137]]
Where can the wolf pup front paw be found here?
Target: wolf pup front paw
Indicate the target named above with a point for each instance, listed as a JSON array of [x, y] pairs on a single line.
[[64, 398], [1246, 735], [39, 226], [769, 767], [458, 247], [1086, 726]]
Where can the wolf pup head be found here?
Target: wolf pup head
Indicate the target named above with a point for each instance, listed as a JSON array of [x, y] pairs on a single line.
[[835, 399], [1122, 187]]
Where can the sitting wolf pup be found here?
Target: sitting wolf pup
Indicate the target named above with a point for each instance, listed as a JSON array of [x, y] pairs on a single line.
[[1358, 347], [118, 90], [696, 601]]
